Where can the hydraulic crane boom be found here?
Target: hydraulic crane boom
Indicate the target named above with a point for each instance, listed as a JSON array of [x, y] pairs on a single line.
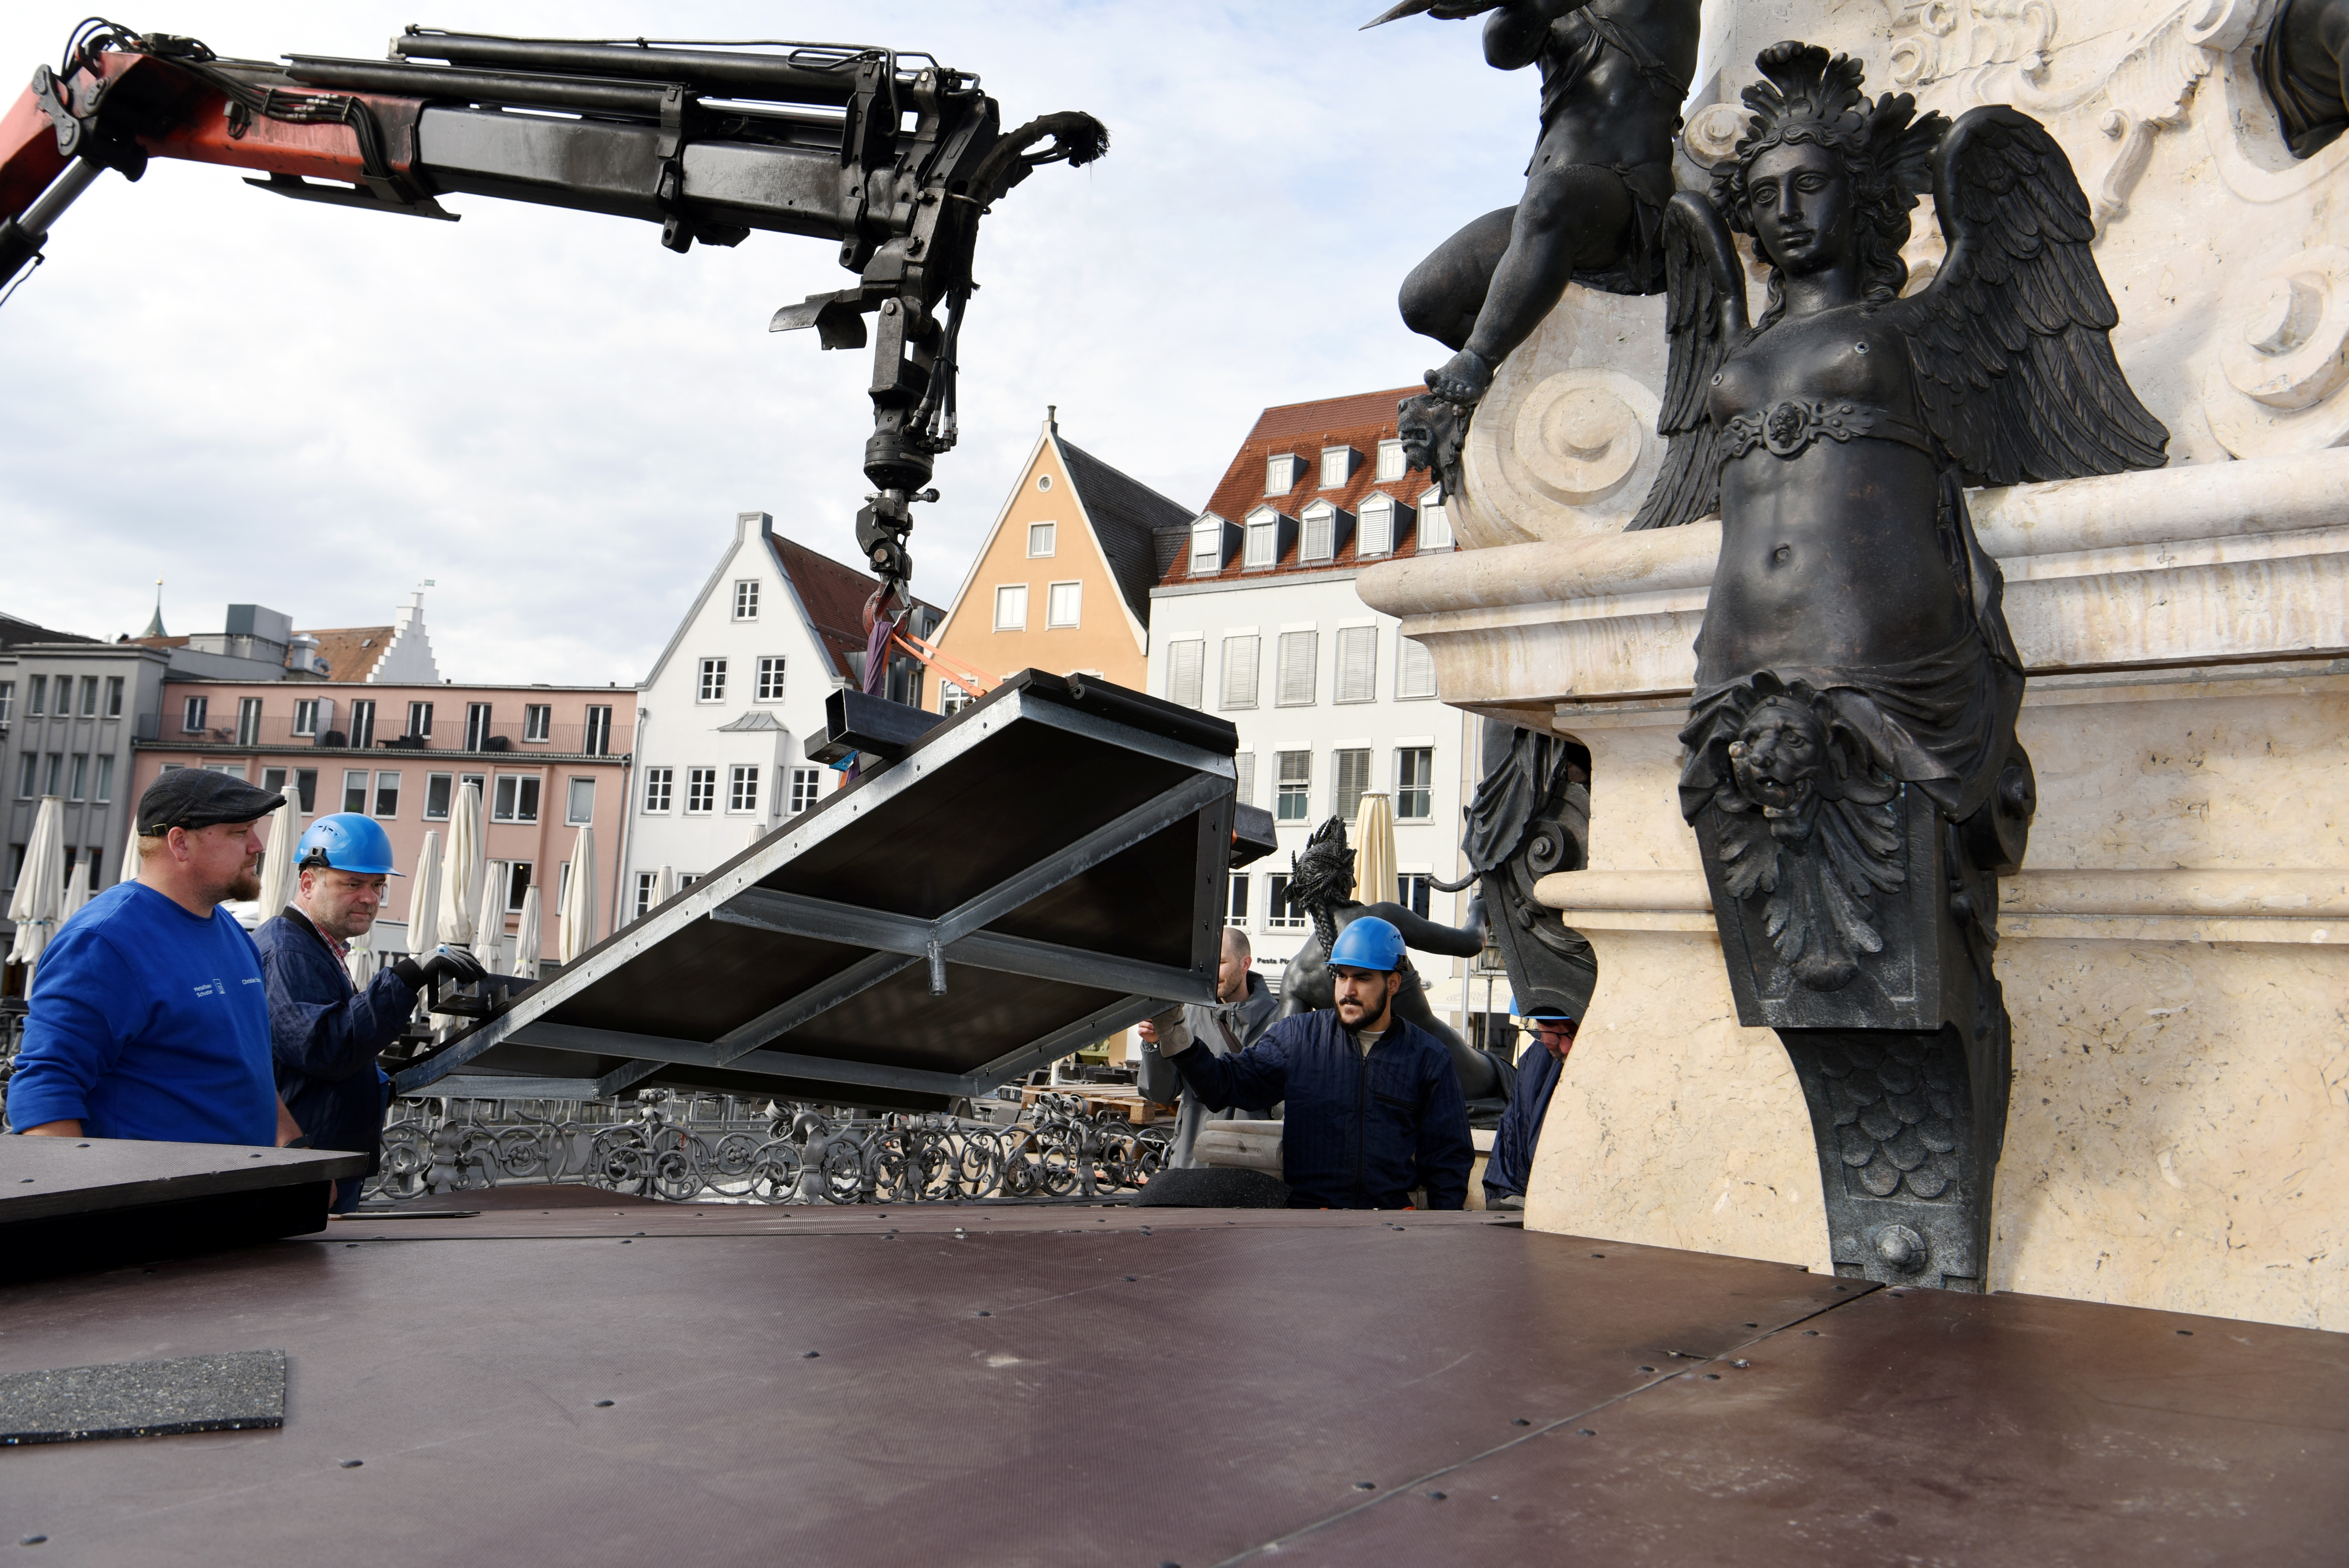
[[892, 155]]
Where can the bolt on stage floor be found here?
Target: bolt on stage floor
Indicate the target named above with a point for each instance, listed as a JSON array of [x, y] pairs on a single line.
[[971, 1385]]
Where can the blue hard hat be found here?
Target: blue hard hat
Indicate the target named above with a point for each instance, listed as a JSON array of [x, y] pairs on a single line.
[[346, 842], [1368, 943]]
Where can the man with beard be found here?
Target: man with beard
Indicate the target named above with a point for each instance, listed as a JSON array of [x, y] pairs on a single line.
[[1511, 1168], [1374, 1106], [148, 1017]]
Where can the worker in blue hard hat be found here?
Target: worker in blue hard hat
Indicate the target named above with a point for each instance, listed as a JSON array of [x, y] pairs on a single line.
[[1373, 1105], [324, 1032], [1510, 1170]]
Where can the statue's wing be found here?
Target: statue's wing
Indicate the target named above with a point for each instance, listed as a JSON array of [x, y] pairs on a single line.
[[2010, 342], [1705, 312]]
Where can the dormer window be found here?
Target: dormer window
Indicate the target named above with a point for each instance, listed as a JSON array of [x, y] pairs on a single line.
[[1434, 523], [1337, 466], [1281, 473], [1207, 546], [1263, 549], [1378, 531], [1318, 538], [1393, 465]]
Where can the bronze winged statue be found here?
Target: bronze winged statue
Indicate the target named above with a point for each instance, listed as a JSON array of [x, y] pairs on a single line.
[[1852, 771]]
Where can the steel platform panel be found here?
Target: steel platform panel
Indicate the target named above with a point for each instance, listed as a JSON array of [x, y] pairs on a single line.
[[1038, 871], [968, 1384]]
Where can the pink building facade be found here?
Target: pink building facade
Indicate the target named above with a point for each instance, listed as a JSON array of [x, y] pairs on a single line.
[[550, 761]]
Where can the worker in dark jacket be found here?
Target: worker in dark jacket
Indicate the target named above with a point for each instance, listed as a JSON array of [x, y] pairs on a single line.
[[324, 1032], [1373, 1104], [1511, 1168]]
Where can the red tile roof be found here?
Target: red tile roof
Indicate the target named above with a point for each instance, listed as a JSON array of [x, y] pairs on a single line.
[[1361, 421], [350, 652], [834, 596]]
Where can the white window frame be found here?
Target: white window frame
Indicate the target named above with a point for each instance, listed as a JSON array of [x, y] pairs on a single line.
[[710, 684], [1281, 472], [537, 722], [1277, 913], [743, 790], [378, 803], [1239, 888], [1374, 530], [572, 818], [1300, 789], [479, 718], [700, 791], [1047, 534], [660, 790], [113, 708], [78, 778], [193, 710], [1434, 524], [447, 793], [1337, 467], [1393, 464], [1242, 682], [952, 698], [746, 598], [1012, 606], [772, 668], [1404, 789], [807, 789], [305, 717], [101, 789], [1206, 546], [1064, 611], [1317, 528], [1345, 760], [1186, 670], [506, 805], [1360, 643], [1300, 647], [1414, 670], [355, 782]]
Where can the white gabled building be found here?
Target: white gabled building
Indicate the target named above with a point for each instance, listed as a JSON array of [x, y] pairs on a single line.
[[1254, 618], [724, 718]]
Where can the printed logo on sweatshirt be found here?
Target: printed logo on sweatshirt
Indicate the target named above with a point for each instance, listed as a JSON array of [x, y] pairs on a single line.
[[211, 988]]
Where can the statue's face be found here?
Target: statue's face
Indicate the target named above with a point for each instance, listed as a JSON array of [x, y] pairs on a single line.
[[1777, 755], [1801, 196], [1424, 426]]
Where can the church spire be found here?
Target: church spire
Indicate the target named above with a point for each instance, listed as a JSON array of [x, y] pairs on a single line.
[[155, 621]]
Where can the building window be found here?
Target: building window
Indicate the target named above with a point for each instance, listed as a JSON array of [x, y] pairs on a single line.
[[1414, 669], [439, 790], [1376, 536], [658, 781], [1235, 900], [114, 697], [713, 681], [579, 809], [1260, 551], [700, 791], [645, 882], [1414, 784], [515, 798], [78, 788], [805, 782], [745, 599], [419, 721], [305, 717], [248, 721], [1393, 464], [194, 711], [1277, 916], [54, 783], [1320, 539], [537, 721], [37, 696], [1294, 802], [771, 678], [1240, 671], [477, 726], [952, 698], [598, 739], [1414, 890], [742, 789], [28, 773], [1434, 523], [1352, 767], [1281, 473], [1337, 466], [306, 787], [102, 786], [1185, 671], [517, 884], [1039, 538], [1244, 778], [387, 794], [1011, 607], [89, 697], [7, 701], [355, 783], [1300, 653], [1062, 601], [1206, 546], [1357, 664], [363, 723]]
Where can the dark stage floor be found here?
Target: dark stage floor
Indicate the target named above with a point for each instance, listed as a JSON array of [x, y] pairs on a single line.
[[621, 1384]]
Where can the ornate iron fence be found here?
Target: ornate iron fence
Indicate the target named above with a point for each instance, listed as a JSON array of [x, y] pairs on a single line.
[[713, 1148]]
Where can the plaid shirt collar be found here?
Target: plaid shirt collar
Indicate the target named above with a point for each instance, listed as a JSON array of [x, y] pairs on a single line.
[[340, 949]]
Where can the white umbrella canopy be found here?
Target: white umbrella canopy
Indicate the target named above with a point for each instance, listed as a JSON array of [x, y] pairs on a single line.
[[278, 880], [530, 937], [40, 885], [460, 869], [1374, 849], [78, 892], [129, 869], [361, 965], [424, 897], [664, 885], [577, 920]]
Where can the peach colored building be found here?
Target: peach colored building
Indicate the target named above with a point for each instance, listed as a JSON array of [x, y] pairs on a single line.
[[549, 760], [1062, 582]]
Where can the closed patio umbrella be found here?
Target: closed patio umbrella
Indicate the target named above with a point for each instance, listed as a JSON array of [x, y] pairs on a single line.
[[529, 940], [361, 965], [424, 897], [277, 879], [576, 921], [78, 892], [1374, 849], [128, 870], [40, 887], [460, 869], [664, 885]]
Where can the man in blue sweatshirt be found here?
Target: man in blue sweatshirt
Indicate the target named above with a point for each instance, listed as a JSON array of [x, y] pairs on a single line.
[[1373, 1106], [148, 1017]]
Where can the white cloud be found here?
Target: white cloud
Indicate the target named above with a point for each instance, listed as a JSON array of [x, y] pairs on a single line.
[[556, 418]]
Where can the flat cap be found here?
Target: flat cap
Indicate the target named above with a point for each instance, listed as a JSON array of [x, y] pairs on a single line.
[[196, 798]]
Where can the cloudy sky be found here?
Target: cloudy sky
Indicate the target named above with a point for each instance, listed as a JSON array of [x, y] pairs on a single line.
[[555, 420]]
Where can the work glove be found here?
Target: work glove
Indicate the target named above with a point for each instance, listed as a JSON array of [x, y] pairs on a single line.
[[450, 964], [1174, 1034]]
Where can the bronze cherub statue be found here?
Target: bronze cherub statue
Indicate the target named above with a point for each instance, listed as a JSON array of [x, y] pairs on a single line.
[[1852, 771]]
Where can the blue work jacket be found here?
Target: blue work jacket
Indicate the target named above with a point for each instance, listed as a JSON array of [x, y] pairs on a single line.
[[1361, 1131], [323, 1034], [1519, 1134]]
